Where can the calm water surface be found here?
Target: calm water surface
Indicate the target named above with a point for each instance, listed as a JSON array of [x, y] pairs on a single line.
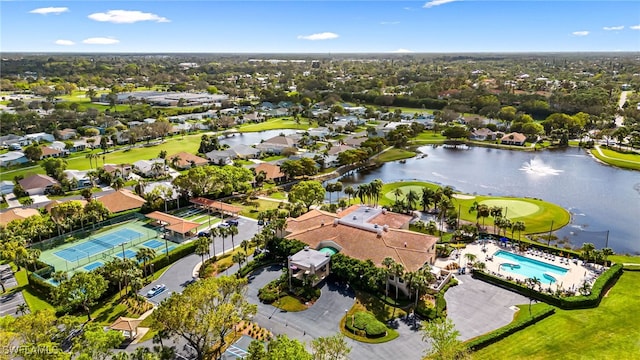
[[599, 197]]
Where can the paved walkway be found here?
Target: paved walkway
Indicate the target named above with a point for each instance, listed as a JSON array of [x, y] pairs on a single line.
[[597, 147]]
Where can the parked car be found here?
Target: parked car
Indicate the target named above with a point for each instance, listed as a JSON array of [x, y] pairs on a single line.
[[203, 234], [156, 290], [224, 225], [260, 222], [233, 222]]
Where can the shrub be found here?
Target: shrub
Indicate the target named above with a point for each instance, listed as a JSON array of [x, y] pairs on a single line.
[[501, 333], [375, 329], [366, 324]]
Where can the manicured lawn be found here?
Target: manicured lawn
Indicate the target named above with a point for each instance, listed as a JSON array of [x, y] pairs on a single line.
[[609, 331], [31, 297], [411, 110], [253, 208], [536, 214], [290, 304], [286, 122], [273, 158], [395, 154], [428, 137], [626, 161]]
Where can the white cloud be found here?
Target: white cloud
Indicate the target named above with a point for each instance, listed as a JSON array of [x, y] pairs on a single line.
[[612, 28], [389, 22], [433, 3], [64, 42], [126, 17], [402, 51], [49, 10], [319, 36], [580, 33], [635, 27], [100, 41]]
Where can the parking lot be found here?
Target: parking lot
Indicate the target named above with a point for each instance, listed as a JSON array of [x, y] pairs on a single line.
[[9, 300]]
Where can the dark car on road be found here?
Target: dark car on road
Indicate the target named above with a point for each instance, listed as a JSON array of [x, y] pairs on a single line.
[[233, 222]]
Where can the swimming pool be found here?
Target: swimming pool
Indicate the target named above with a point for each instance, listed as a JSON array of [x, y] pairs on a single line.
[[521, 265], [328, 250]]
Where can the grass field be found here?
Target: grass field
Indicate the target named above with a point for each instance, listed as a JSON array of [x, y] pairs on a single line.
[[609, 331], [278, 123], [428, 137], [611, 157], [394, 154]]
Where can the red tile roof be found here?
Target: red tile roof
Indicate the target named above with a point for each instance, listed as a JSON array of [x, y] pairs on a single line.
[[409, 248], [37, 181], [121, 200], [17, 214], [216, 205], [185, 159], [271, 171]]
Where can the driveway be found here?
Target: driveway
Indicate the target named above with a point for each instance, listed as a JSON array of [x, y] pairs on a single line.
[[323, 319], [181, 272], [477, 307]]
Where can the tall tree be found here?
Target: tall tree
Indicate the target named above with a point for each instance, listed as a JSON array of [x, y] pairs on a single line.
[[442, 337], [330, 348], [97, 344], [205, 313], [308, 193], [82, 290]]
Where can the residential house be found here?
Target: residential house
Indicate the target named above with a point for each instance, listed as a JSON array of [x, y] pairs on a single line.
[[66, 134], [184, 160], [78, 178], [278, 112], [514, 138], [320, 132], [255, 117], [11, 139], [13, 158], [272, 172], [148, 168], [354, 141], [120, 170], [276, 144], [241, 151], [366, 233], [220, 157], [37, 137], [78, 145], [49, 152], [483, 134], [121, 200], [37, 184], [6, 187], [17, 214], [338, 148]]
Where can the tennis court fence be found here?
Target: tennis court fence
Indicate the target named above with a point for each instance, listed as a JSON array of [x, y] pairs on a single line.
[[72, 236]]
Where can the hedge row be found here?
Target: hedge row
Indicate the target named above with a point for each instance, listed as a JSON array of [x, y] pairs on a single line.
[[501, 333], [599, 288]]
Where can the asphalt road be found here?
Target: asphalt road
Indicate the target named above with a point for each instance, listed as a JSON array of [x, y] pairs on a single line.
[[181, 272]]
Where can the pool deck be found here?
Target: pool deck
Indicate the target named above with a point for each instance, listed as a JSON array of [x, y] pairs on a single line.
[[577, 273]]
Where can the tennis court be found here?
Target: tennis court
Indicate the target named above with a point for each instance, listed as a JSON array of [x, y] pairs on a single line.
[[94, 251], [98, 244]]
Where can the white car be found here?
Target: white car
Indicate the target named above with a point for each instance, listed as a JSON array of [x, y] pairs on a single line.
[[156, 290]]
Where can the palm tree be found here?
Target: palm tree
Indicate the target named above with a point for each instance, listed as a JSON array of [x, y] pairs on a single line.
[[244, 244], [470, 257], [587, 250], [118, 183], [202, 247], [376, 189], [157, 168], [139, 187], [495, 212], [233, 231], [22, 309], [397, 269], [213, 232], [174, 161], [349, 191], [397, 192], [223, 232], [426, 197], [412, 199], [518, 226], [482, 211], [239, 258], [362, 191], [419, 282], [387, 262], [145, 254], [531, 285]]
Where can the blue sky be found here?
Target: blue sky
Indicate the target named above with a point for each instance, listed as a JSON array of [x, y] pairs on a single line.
[[319, 26]]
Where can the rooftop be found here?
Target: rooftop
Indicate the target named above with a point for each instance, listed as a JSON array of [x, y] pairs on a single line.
[[309, 258]]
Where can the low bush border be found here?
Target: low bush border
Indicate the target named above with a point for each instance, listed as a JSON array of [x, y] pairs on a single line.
[[501, 333], [599, 288]]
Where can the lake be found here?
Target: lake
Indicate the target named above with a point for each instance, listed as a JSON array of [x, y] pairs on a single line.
[[600, 198]]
